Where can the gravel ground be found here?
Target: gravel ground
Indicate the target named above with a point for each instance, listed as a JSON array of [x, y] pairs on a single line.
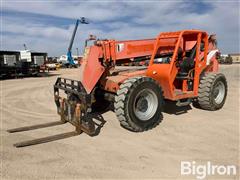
[[194, 135]]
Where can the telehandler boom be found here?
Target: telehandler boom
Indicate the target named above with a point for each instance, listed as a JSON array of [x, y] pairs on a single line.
[[183, 67]]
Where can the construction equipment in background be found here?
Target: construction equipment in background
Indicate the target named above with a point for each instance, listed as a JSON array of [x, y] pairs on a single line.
[[225, 59], [70, 59], [64, 62], [182, 68], [52, 64]]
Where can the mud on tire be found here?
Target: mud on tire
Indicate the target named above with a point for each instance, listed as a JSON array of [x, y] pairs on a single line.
[[212, 91], [139, 103]]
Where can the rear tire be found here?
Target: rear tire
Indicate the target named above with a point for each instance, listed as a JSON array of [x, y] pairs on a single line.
[[212, 91], [139, 103]]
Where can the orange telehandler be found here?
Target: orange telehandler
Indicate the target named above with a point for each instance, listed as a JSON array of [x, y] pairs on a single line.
[[182, 67]]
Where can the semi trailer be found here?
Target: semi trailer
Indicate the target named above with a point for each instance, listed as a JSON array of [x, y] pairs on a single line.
[[31, 62], [8, 63], [21, 63]]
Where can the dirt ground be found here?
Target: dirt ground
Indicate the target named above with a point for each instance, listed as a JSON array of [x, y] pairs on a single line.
[[115, 153]]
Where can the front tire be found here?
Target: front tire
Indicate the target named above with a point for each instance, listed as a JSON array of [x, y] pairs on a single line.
[[212, 91], [139, 103]]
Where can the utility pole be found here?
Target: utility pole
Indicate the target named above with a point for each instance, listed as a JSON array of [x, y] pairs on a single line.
[[25, 47], [77, 52]]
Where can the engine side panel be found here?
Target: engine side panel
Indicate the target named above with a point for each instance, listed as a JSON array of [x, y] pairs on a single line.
[[111, 83]]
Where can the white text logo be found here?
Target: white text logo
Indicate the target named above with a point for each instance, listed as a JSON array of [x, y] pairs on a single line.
[[201, 171]]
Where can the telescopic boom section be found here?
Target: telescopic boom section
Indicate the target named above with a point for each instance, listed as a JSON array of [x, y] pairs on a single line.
[[105, 54], [69, 53], [73, 35]]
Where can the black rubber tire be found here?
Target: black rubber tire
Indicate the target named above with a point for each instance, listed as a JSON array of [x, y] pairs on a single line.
[[124, 99], [206, 88]]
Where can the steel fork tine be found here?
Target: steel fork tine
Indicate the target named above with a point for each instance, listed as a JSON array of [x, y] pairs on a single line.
[[38, 126], [45, 139]]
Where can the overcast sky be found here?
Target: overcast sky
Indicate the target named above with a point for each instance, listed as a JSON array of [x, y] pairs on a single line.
[[48, 25]]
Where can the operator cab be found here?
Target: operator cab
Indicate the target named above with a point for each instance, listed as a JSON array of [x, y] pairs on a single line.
[[186, 63]]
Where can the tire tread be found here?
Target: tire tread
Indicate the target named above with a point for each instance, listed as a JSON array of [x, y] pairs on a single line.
[[204, 90], [120, 104]]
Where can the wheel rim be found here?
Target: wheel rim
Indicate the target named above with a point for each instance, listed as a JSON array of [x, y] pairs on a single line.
[[145, 104], [219, 92]]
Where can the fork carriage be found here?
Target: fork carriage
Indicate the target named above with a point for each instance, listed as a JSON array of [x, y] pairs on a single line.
[[75, 107]]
